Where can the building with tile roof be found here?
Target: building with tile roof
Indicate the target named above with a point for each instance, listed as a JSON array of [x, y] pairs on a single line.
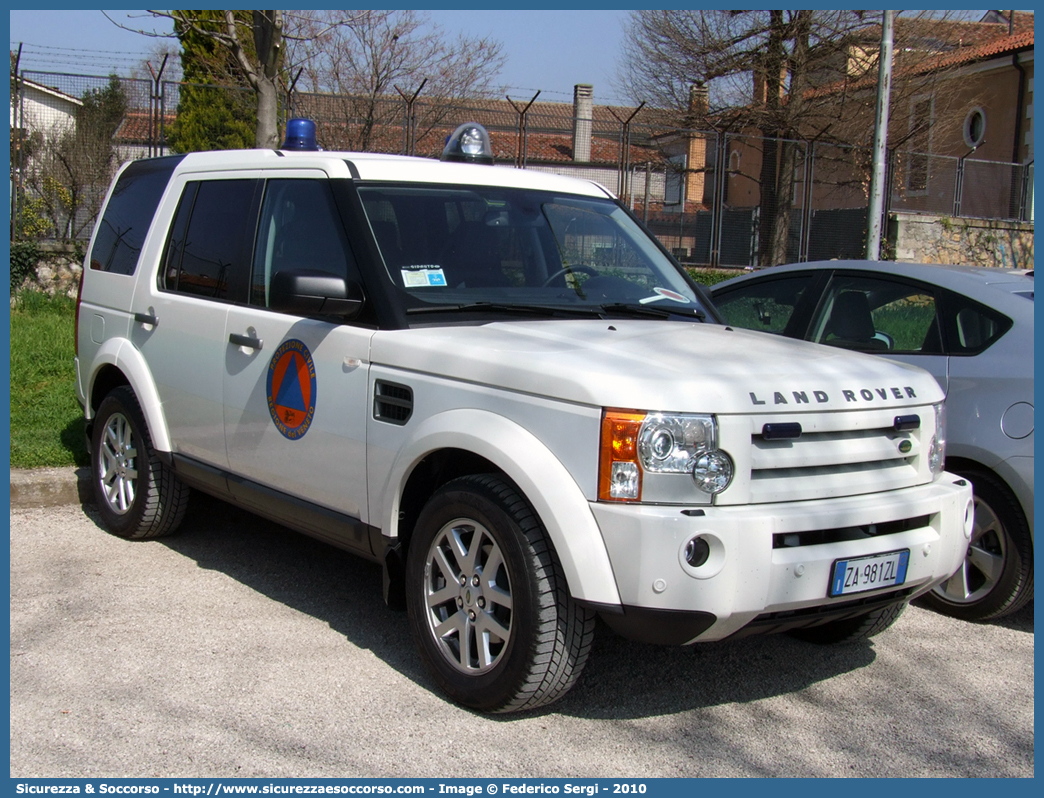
[[959, 134]]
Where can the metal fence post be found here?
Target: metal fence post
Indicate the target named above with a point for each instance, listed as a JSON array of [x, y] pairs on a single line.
[[806, 195], [625, 152], [17, 187], [1025, 192], [721, 177], [155, 107], [409, 121], [523, 131], [958, 186]]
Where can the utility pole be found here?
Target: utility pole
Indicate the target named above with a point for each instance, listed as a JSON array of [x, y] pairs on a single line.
[[878, 182]]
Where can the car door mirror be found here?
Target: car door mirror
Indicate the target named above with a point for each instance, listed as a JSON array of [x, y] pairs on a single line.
[[315, 293]]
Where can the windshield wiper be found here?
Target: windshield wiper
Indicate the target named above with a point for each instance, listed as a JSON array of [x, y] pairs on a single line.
[[505, 307], [654, 312]]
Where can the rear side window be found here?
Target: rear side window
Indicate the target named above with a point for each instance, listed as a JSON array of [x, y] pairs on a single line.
[[128, 215], [207, 252], [971, 328]]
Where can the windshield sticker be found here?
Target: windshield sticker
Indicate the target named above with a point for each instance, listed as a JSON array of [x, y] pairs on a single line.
[[665, 293], [419, 276], [291, 389]]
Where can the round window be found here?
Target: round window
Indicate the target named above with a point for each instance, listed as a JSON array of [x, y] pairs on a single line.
[[975, 127]]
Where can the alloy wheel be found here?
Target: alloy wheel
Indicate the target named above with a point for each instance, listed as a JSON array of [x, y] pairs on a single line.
[[468, 597]]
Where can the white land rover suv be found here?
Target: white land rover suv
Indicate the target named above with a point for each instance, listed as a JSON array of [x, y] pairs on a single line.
[[498, 386]]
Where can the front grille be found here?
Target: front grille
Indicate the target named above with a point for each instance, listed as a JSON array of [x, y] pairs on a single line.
[[847, 453], [843, 534]]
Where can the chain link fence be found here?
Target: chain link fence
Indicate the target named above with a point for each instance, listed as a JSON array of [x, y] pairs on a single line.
[[713, 198]]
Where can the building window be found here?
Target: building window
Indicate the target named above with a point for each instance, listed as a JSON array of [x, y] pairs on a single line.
[[975, 127], [920, 146], [674, 189]]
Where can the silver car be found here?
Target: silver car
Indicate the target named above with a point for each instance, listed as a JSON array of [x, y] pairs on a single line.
[[972, 328]]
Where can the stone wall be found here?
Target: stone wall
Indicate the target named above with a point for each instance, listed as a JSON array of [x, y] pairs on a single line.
[[57, 271], [942, 239]]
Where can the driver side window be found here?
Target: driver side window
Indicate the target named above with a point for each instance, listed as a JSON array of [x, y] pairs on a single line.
[[299, 231], [765, 306]]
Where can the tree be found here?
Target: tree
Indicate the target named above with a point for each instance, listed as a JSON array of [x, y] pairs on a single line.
[[791, 76], [216, 109], [362, 62], [71, 167], [250, 45], [364, 54]]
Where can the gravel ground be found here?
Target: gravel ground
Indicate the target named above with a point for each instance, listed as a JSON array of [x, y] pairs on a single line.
[[239, 649]]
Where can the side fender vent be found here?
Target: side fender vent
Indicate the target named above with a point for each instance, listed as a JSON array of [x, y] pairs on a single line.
[[392, 402]]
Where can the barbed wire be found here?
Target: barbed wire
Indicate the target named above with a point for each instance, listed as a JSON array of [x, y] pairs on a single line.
[[35, 54], [601, 99]]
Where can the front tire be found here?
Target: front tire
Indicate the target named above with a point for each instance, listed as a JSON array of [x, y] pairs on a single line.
[[137, 495], [996, 578], [488, 604]]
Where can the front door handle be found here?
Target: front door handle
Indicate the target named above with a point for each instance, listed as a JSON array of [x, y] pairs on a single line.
[[246, 341]]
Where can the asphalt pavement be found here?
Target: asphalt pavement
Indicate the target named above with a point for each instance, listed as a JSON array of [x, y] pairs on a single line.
[[237, 648]]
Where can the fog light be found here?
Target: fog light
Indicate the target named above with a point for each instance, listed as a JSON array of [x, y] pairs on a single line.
[[697, 552]]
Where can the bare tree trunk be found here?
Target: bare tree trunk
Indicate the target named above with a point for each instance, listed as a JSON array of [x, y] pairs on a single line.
[[774, 61], [267, 132], [784, 202], [788, 149], [268, 39], [767, 178]]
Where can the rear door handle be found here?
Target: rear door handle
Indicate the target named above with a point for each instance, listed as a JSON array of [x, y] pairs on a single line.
[[246, 341], [146, 318]]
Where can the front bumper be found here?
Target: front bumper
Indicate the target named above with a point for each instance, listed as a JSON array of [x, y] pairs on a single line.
[[773, 560]]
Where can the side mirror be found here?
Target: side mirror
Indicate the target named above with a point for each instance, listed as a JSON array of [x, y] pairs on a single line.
[[315, 293]]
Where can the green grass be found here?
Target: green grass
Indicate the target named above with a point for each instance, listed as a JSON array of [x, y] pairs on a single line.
[[907, 321], [46, 420]]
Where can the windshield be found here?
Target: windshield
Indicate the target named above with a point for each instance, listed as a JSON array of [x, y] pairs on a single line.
[[463, 247]]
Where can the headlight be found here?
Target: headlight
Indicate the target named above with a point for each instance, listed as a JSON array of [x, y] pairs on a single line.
[[937, 448], [637, 446], [712, 472], [670, 444]]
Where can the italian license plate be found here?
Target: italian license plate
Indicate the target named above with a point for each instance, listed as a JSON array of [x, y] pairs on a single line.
[[869, 573]]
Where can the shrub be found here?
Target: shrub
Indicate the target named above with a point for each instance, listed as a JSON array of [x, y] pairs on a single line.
[[24, 257], [712, 276]]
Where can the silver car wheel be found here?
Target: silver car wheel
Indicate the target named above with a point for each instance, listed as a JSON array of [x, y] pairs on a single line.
[[468, 596], [982, 568], [117, 458]]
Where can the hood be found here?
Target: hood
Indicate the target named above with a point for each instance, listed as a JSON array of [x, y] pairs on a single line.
[[657, 365]]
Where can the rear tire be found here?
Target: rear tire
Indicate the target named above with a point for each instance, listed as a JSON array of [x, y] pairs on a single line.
[[996, 578], [851, 630], [488, 604], [137, 495]]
